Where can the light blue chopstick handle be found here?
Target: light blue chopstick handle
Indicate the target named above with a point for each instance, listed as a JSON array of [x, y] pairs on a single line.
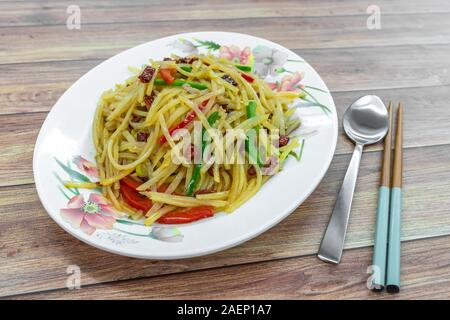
[[381, 238], [393, 258]]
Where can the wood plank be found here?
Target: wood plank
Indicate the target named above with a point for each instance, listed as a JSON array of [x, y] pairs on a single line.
[[417, 66], [363, 69], [18, 135], [426, 115], [35, 252], [407, 59], [426, 123], [41, 88], [105, 11], [342, 69], [99, 41], [425, 275]]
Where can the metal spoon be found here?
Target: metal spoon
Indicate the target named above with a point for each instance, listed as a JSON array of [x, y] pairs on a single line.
[[365, 122]]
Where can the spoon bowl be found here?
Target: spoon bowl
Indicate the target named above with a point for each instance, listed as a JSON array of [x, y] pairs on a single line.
[[366, 121]]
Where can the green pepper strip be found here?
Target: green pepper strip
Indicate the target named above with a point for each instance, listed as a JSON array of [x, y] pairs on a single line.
[[186, 68], [243, 67], [179, 83], [196, 174], [251, 135], [239, 66]]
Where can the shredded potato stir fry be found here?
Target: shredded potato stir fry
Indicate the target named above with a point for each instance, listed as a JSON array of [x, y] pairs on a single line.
[[135, 137]]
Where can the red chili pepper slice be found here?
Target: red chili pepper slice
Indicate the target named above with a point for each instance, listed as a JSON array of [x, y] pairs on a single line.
[[187, 216], [130, 182], [184, 123], [133, 184], [167, 76], [203, 191], [247, 77], [134, 198]]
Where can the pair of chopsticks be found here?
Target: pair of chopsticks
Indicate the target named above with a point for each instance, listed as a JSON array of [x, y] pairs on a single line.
[[386, 254]]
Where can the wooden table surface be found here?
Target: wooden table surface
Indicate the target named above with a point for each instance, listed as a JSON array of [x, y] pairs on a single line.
[[406, 60]]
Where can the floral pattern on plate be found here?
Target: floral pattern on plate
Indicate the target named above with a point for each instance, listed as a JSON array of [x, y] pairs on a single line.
[[268, 63], [97, 213]]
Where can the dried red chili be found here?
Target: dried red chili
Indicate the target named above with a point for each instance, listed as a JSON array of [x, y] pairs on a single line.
[[186, 60], [147, 74], [148, 100], [142, 136], [136, 118], [251, 171], [229, 79], [284, 140]]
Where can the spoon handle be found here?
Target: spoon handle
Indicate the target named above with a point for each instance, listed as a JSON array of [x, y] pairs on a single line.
[[333, 240]]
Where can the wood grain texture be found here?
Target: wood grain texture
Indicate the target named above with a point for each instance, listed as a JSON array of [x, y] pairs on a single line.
[[18, 132], [25, 13], [407, 60], [100, 41], [35, 252], [425, 275], [355, 69]]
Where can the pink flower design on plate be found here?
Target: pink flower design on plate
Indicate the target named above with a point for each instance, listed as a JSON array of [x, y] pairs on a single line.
[[289, 82], [96, 213], [86, 166], [235, 54]]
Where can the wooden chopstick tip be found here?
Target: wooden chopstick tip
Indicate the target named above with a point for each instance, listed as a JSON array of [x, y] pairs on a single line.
[[399, 133], [397, 171], [386, 163], [399, 111]]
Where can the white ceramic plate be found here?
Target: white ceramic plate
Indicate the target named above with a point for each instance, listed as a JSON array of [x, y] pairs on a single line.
[[66, 135]]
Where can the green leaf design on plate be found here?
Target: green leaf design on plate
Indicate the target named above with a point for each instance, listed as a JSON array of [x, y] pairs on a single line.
[[62, 191], [72, 173], [148, 234], [315, 102], [130, 222], [314, 88], [281, 70], [74, 191], [208, 44]]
